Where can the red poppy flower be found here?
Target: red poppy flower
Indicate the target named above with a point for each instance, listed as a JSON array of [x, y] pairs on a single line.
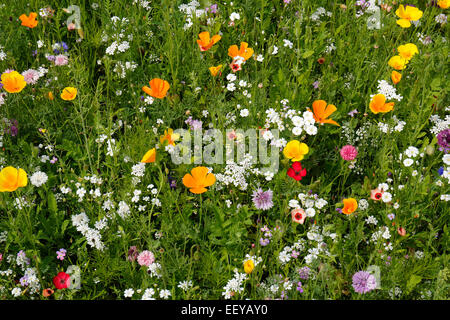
[[61, 280], [296, 171]]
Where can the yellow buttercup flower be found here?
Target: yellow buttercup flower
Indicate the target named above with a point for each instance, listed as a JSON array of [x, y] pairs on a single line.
[[149, 156], [397, 62], [295, 150], [407, 51], [13, 82], [69, 93], [12, 178], [407, 14]]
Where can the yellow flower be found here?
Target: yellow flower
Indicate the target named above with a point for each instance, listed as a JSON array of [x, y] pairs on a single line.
[[249, 266], [295, 150], [198, 180], [13, 82], [69, 93], [407, 14], [396, 77], [407, 51], [397, 62], [169, 136], [149, 156], [350, 205], [215, 70], [444, 4], [12, 178], [50, 95]]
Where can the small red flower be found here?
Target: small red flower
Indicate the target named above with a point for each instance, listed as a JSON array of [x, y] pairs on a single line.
[[296, 172], [61, 280]]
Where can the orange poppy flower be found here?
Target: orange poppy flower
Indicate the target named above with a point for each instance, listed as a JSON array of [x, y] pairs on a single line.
[[198, 180], [158, 88], [396, 77], [378, 104], [149, 156], [169, 136], [205, 42], [243, 51], [215, 70], [350, 205], [12, 178], [47, 292], [69, 93], [13, 82], [29, 21], [322, 112]]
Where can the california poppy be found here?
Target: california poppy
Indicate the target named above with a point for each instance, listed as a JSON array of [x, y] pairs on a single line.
[[295, 150], [13, 82], [396, 76], [443, 4], [11, 179], [378, 104], [158, 88], [296, 172], [350, 205], [61, 280], [169, 136], [249, 266], [243, 51], [215, 70], [397, 62], [205, 42], [149, 156], [407, 14], [30, 20], [47, 292], [322, 112], [198, 180], [407, 51], [69, 93]]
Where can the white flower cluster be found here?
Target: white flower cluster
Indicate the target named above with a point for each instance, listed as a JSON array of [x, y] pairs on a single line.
[[121, 68], [236, 173], [386, 128], [286, 254], [305, 122], [143, 3], [309, 201], [439, 124], [38, 178], [190, 10], [93, 236], [410, 153], [320, 12], [381, 233], [235, 285], [2, 54], [388, 91], [119, 45]]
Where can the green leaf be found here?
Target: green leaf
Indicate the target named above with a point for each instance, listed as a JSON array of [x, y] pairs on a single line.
[[307, 54], [412, 282], [52, 206]]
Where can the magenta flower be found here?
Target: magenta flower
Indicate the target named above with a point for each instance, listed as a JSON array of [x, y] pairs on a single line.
[[145, 258], [61, 254], [348, 152]]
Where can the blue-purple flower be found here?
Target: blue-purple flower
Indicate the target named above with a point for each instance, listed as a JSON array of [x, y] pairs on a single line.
[[262, 199], [363, 282]]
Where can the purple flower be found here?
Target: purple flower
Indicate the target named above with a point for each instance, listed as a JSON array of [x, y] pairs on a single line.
[[443, 138], [60, 47], [132, 253], [299, 287], [363, 282], [304, 273], [391, 216], [262, 199], [264, 242], [61, 254], [316, 84], [353, 112]]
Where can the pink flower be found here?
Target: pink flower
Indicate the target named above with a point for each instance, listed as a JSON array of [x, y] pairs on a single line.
[[61, 60], [30, 76], [348, 153], [145, 258]]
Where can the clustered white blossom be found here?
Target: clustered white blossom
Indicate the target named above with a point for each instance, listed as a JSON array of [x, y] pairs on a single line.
[[235, 285], [309, 201], [320, 12], [93, 236]]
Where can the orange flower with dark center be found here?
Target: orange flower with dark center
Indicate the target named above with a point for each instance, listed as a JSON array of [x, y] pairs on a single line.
[[47, 292], [244, 51], [322, 111], [321, 60], [158, 88], [30, 20], [205, 42], [198, 180]]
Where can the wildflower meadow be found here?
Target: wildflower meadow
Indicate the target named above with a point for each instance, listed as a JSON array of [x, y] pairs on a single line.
[[232, 150]]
